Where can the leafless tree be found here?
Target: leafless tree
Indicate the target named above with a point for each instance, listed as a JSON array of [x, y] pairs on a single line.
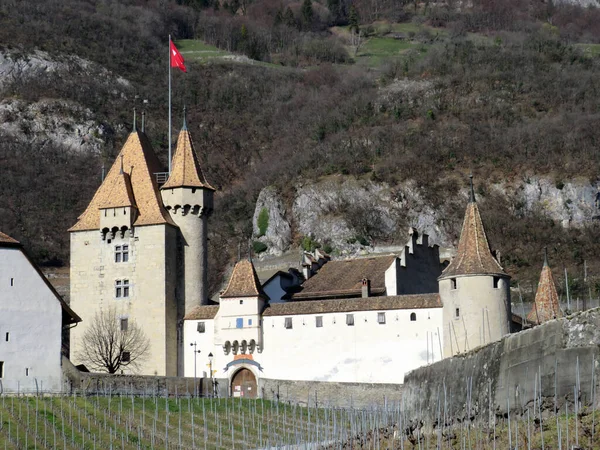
[[112, 343]]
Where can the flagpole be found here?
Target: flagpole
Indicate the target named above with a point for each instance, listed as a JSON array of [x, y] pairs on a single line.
[[169, 104]]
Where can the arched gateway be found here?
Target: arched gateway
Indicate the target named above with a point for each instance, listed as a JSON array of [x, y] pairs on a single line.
[[243, 384]]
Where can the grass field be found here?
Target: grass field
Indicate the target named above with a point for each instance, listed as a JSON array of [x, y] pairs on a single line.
[[196, 50]]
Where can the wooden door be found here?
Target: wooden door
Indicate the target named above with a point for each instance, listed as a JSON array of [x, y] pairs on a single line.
[[243, 384]]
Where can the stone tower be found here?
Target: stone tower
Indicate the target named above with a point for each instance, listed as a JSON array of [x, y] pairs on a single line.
[[124, 257], [474, 289], [546, 306], [189, 199]]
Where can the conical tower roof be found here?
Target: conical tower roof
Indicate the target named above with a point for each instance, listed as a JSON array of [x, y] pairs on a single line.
[[244, 282], [546, 305], [473, 256], [185, 169], [141, 164], [6, 239]]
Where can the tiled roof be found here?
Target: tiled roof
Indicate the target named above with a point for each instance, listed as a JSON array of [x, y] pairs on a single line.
[[545, 306], [141, 163], [354, 304], [473, 256], [202, 312], [6, 239], [120, 193], [243, 282], [344, 278], [185, 168]]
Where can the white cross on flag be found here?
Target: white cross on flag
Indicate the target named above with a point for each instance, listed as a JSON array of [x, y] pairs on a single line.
[[176, 58]]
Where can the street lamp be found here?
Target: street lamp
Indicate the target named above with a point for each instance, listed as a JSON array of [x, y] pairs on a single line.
[[210, 361], [195, 354]]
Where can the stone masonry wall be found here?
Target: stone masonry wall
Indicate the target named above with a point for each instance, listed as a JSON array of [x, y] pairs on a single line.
[[558, 356], [342, 395]]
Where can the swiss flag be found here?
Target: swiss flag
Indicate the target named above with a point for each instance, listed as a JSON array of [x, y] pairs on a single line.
[[176, 58]]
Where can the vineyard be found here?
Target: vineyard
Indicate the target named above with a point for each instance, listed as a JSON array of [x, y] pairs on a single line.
[[130, 422]]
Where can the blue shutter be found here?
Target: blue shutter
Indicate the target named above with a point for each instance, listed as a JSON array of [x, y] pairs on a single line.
[[239, 323]]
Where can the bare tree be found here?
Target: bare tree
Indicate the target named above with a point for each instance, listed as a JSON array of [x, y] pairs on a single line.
[[112, 343]]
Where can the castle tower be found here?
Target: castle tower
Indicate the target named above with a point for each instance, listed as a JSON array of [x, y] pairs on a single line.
[[124, 257], [474, 290], [238, 322], [189, 199], [546, 306]]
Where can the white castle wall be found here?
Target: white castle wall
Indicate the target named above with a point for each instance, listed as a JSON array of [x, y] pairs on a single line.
[[151, 271], [367, 352], [32, 317]]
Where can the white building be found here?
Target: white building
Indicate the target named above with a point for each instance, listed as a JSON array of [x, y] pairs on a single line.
[[366, 320], [32, 319]]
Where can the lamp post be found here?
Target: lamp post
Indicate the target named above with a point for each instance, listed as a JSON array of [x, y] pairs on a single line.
[[195, 354], [212, 384]]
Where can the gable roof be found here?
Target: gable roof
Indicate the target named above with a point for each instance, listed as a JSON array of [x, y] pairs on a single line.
[[473, 256], [140, 163], [69, 316], [6, 239], [120, 192], [185, 168], [344, 278], [202, 312], [244, 282], [348, 305], [545, 307]]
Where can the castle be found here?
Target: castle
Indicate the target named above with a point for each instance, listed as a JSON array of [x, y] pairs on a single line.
[[140, 249]]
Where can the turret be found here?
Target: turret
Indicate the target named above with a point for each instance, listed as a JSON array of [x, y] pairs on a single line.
[[474, 290], [239, 318], [546, 306], [117, 208], [189, 199]]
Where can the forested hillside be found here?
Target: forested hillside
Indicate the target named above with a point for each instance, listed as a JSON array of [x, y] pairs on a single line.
[[373, 89]]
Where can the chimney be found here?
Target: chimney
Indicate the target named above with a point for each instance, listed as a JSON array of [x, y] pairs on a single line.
[[366, 288]]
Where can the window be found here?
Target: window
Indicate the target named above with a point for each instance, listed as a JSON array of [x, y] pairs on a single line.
[[122, 288], [7, 337], [121, 253], [452, 283], [381, 318], [124, 324], [26, 371], [125, 357], [241, 302], [12, 281], [201, 327], [496, 282], [350, 320], [239, 323], [413, 317], [288, 323], [249, 322], [457, 313], [319, 321], [1, 369]]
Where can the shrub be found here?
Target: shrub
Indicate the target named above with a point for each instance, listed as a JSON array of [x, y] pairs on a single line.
[[263, 221], [258, 247]]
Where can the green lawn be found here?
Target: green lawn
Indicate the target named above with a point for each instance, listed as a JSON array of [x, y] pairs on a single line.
[[196, 50], [591, 49], [377, 51]]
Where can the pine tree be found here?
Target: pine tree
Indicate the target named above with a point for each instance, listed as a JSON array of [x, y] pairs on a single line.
[[307, 12], [334, 9], [289, 18], [354, 20], [278, 18]]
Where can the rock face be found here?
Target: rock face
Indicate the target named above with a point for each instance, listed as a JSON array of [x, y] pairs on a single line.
[[54, 121], [358, 216], [277, 235]]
